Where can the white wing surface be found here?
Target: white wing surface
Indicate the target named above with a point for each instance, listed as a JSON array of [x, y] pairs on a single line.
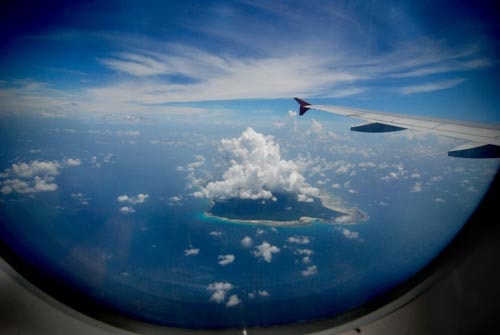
[[484, 138]]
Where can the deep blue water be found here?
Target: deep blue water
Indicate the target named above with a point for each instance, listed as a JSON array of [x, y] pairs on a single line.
[[137, 264]]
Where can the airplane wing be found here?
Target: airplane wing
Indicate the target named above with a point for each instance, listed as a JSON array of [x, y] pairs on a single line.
[[483, 139]]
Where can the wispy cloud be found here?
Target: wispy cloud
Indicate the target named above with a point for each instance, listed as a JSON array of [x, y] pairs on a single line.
[[430, 87], [333, 51], [136, 65]]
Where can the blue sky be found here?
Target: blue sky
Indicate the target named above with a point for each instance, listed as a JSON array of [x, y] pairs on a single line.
[[79, 57]]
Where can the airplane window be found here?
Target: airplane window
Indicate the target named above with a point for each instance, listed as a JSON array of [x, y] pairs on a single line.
[[155, 165]]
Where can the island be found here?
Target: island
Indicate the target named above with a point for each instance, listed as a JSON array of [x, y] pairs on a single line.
[[283, 210]]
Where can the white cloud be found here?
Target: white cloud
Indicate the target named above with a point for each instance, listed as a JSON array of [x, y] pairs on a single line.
[[266, 251], [200, 160], [256, 170], [81, 198], [35, 176], [399, 172], [263, 293], [215, 233], [307, 252], [367, 165], [299, 239], [219, 290], [127, 210], [191, 252], [343, 167], [440, 200], [226, 259], [36, 168], [247, 242], [350, 234], [233, 301], [417, 187], [175, 198], [72, 161], [138, 199], [317, 127], [131, 133], [311, 270], [136, 65], [123, 198], [43, 185], [430, 87], [219, 77]]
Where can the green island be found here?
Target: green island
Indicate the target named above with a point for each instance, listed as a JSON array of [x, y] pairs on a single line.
[[284, 210]]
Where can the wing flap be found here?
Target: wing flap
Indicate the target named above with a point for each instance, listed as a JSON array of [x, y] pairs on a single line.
[[376, 127], [475, 150]]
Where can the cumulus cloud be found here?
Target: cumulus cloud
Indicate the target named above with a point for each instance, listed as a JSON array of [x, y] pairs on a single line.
[[219, 291], [350, 234], [36, 168], [299, 239], [191, 252], [266, 251], [256, 171], [260, 293], [263, 293], [233, 301], [307, 252], [44, 185], [35, 176], [226, 259], [417, 187], [397, 174], [122, 198], [127, 210], [175, 200], [81, 198], [343, 167], [138, 199], [247, 242], [311, 270], [441, 200], [72, 161]]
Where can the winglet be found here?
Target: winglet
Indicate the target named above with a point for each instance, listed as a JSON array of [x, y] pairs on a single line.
[[303, 105]]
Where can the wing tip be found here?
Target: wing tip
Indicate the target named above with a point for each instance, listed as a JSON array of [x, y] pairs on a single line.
[[303, 105]]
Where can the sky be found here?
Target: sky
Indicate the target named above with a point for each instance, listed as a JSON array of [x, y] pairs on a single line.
[[79, 58]]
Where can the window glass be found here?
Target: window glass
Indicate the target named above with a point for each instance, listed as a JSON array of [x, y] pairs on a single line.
[[153, 158]]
